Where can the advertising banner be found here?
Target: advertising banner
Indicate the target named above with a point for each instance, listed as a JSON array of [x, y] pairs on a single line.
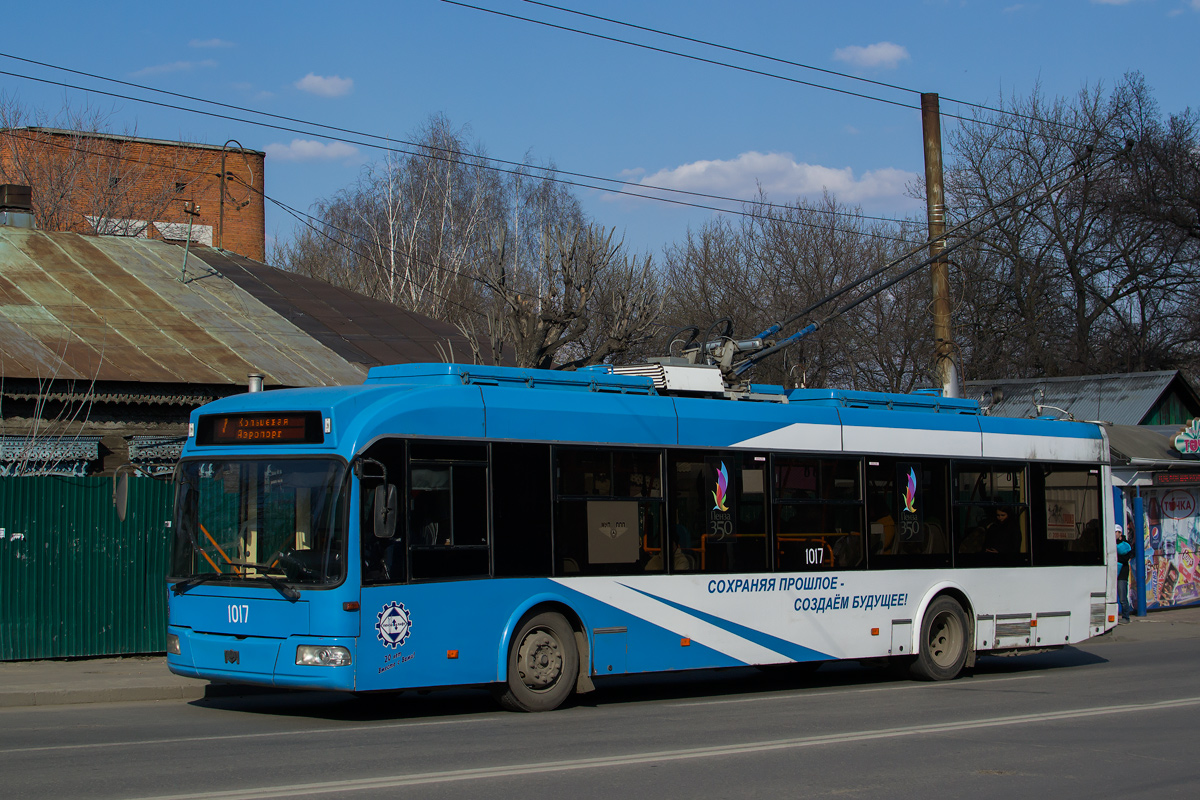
[[1172, 541]]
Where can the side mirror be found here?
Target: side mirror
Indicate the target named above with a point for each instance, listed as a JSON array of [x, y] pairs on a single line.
[[387, 501], [121, 494]]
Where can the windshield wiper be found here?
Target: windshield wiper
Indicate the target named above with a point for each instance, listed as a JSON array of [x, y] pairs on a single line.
[[283, 588], [197, 579], [203, 577]]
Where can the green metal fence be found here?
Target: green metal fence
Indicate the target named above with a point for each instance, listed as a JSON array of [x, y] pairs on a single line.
[[75, 580]]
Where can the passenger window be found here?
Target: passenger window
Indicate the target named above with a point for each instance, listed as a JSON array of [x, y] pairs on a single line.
[[447, 514], [818, 514], [608, 515], [1068, 530], [906, 513], [718, 513], [991, 515]]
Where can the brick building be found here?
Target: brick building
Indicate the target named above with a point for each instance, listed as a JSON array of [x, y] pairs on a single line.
[[108, 184]]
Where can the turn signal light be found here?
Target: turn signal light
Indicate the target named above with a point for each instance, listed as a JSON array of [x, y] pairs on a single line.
[[350, 605], [451, 654], [685, 642], [1112, 617], [874, 631]]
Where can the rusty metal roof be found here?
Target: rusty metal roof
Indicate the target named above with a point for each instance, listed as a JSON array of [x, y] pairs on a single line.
[[356, 327], [91, 308]]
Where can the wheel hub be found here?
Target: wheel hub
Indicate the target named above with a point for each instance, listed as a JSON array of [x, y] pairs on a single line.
[[945, 639], [539, 660]]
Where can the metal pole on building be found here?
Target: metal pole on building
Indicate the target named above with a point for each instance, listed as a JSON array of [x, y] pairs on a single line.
[[1139, 555], [224, 175], [193, 211], [931, 128]]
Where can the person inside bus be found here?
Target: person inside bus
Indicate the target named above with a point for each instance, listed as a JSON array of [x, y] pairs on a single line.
[[1002, 534]]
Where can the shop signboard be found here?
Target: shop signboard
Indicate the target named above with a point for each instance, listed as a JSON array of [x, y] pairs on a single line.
[[1187, 441]]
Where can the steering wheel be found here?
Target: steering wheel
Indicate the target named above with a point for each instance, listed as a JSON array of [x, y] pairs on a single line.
[[287, 558]]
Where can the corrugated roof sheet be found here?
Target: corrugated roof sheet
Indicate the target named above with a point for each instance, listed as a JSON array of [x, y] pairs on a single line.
[[89, 308], [358, 328], [1129, 442], [1122, 399]]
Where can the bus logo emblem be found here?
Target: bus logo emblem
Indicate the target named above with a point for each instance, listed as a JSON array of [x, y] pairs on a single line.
[[910, 492], [721, 490], [393, 624]]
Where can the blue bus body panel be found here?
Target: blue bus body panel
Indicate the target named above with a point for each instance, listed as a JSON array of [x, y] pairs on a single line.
[[457, 632], [454, 411], [249, 634], [721, 423], [514, 413]]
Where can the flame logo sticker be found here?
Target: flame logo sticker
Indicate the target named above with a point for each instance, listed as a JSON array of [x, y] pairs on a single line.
[[721, 490], [910, 493]]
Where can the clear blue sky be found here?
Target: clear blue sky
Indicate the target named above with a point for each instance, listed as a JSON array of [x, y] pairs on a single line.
[[593, 106]]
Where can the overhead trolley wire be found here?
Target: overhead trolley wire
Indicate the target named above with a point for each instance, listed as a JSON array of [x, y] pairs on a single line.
[[750, 70], [315, 224], [1079, 167], [448, 151], [482, 165], [786, 62]]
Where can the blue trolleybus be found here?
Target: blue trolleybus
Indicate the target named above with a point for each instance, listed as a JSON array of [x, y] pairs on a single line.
[[532, 531]]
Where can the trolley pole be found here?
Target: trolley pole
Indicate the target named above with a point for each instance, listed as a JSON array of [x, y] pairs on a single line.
[[935, 200]]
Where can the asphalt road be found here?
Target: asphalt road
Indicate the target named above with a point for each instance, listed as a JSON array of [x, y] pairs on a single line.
[[1109, 718]]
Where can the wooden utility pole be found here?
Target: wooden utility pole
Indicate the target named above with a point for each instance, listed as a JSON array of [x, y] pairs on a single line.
[[931, 127]]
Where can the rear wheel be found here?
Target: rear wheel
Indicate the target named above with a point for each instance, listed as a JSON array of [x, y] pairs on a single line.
[[944, 633], [542, 665]]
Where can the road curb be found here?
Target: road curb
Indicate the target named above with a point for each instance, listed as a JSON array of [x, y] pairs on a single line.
[[110, 694]]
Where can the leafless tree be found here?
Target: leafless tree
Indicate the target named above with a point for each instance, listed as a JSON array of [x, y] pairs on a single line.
[[778, 261], [1084, 280], [583, 303], [508, 253], [84, 179]]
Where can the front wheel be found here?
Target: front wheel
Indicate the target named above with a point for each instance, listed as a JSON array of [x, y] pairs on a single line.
[[542, 665], [944, 633]]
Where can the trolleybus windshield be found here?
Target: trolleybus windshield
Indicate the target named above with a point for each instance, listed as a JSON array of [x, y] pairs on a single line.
[[278, 521]]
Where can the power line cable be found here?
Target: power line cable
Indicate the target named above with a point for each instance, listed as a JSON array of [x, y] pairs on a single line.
[[1079, 166], [448, 151], [727, 65], [785, 61], [480, 161], [288, 209]]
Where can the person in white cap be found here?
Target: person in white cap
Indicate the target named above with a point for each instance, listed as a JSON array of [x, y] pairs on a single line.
[[1124, 554]]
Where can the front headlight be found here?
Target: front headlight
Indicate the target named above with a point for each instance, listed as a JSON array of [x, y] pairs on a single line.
[[172, 644], [319, 655]]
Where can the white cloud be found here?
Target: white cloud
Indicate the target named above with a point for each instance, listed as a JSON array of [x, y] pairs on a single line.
[[782, 178], [333, 86], [221, 43], [174, 66], [880, 54], [309, 150]]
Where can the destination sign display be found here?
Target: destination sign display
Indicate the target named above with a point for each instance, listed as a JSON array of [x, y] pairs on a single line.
[[300, 427]]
